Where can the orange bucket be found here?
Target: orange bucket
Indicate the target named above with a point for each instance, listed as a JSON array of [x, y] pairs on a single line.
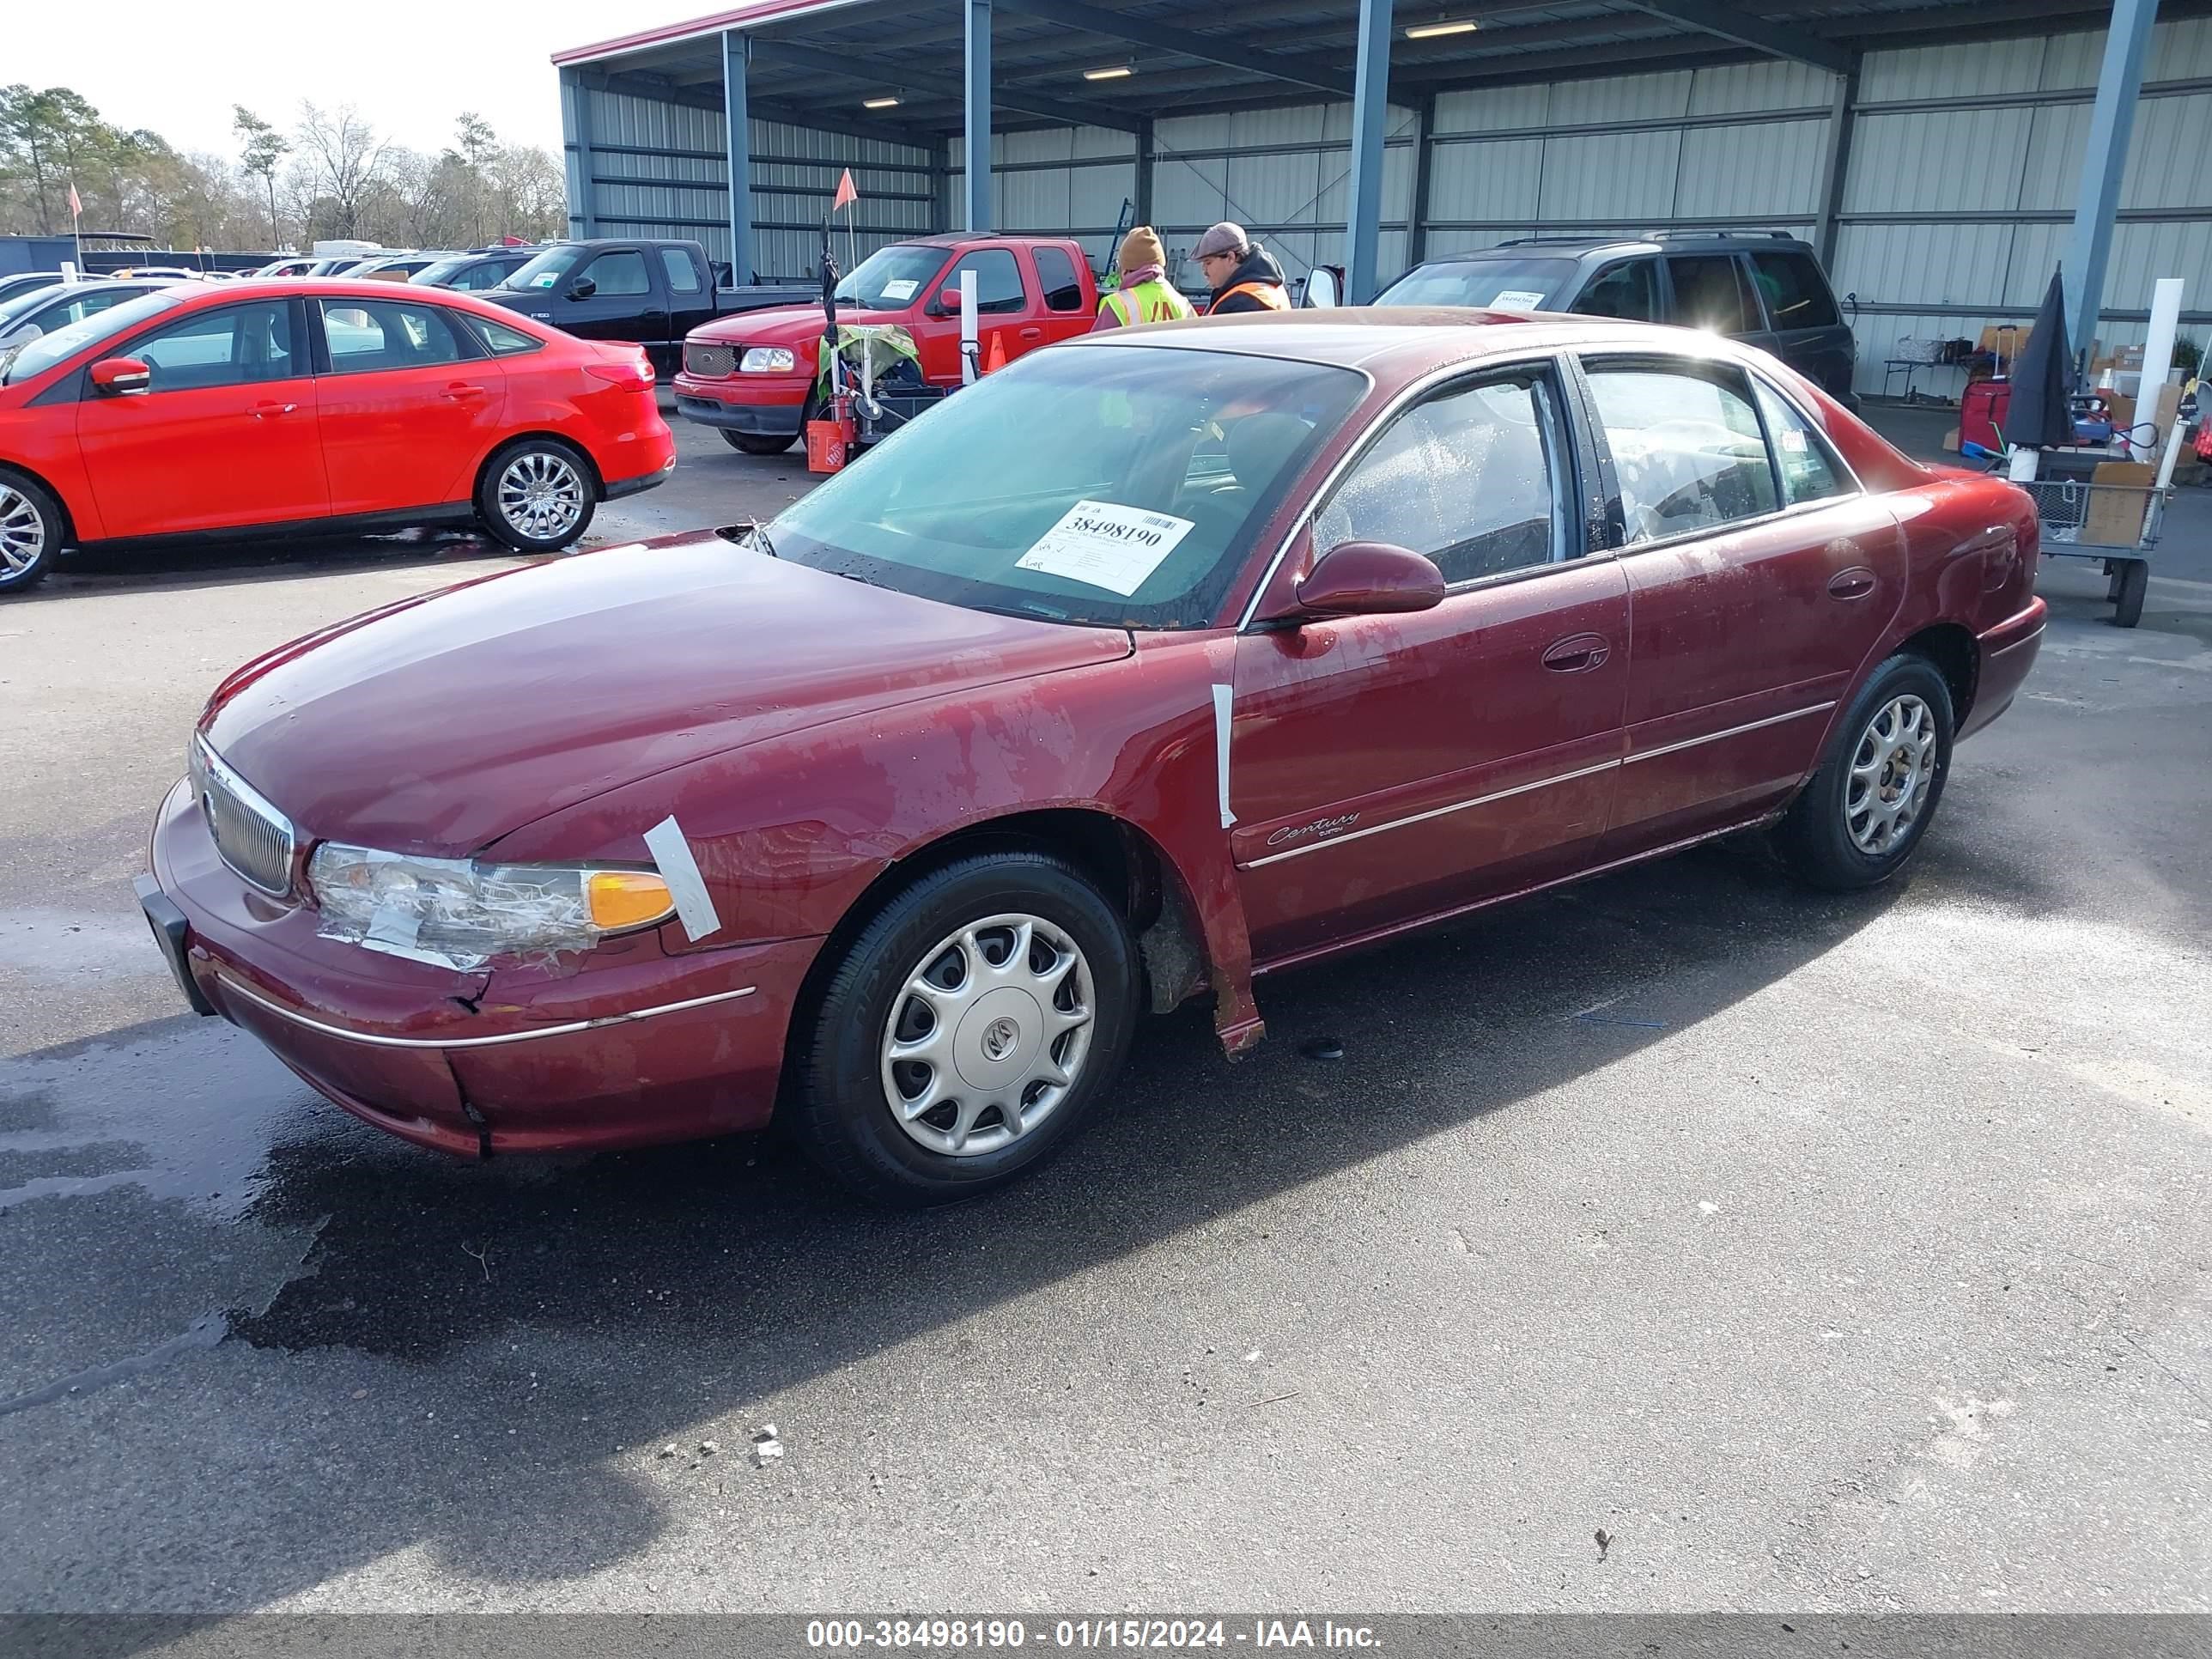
[[828, 444]]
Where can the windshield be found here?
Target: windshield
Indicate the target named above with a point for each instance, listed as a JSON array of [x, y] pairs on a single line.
[[1516, 284], [1117, 486], [548, 267], [439, 270], [890, 278], [43, 353], [22, 305]]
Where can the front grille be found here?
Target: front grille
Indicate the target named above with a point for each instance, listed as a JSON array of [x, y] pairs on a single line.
[[254, 838], [710, 363]]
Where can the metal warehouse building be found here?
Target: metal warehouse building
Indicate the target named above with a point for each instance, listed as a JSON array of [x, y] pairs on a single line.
[[1945, 159]]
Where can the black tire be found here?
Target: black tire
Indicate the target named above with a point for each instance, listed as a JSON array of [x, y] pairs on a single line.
[[1816, 837], [2128, 598], [547, 453], [841, 1114], [31, 531], [758, 443]]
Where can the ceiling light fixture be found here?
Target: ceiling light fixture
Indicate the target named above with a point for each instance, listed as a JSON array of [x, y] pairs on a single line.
[[1437, 30], [1112, 72], [879, 103]]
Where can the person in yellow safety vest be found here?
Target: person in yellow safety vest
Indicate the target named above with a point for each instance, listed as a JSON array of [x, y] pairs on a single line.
[[1243, 278], [1145, 295]]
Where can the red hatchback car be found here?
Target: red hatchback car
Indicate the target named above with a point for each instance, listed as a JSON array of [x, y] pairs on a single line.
[[215, 410], [1154, 665]]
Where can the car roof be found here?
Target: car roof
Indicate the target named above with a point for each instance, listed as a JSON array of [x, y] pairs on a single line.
[[1416, 339], [1576, 247]]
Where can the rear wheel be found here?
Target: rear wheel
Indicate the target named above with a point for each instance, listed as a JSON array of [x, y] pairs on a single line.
[[30, 532], [538, 496], [2128, 592], [1857, 822], [971, 1028]]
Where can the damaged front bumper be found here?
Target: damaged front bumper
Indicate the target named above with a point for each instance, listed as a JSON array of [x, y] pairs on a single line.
[[635, 1047]]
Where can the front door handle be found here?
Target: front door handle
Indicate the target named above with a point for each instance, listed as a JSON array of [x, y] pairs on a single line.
[[1032, 334], [271, 411], [1853, 584], [1578, 653], [462, 392]]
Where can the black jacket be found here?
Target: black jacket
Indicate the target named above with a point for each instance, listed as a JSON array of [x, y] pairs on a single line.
[[1257, 266]]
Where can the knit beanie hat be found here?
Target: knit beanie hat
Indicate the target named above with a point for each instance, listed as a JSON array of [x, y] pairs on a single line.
[[1141, 247]]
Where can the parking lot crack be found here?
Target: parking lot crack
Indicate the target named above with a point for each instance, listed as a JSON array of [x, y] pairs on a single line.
[[203, 1332]]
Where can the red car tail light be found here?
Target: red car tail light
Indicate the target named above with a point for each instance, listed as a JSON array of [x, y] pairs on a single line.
[[633, 373]]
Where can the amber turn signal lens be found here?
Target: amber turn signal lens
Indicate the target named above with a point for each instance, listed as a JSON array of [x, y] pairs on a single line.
[[629, 898]]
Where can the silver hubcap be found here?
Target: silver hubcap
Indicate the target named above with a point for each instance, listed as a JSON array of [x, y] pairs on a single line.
[[987, 1035], [541, 495], [1892, 769], [22, 534]]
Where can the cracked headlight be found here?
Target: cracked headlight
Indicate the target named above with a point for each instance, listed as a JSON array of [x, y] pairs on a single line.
[[767, 360], [457, 912]]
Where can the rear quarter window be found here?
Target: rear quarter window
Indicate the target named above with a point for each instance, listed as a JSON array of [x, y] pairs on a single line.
[[1795, 293]]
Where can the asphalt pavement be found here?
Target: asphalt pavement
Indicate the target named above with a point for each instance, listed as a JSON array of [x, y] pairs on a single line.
[[1821, 1253]]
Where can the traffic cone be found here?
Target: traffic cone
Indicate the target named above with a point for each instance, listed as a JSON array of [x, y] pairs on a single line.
[[997, 360]]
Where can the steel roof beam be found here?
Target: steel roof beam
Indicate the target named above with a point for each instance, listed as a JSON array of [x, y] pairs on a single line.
[[1183, 43], [1777, 40], [1067, 110]]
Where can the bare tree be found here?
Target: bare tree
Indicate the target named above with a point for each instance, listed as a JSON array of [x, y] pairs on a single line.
[[345, 157]]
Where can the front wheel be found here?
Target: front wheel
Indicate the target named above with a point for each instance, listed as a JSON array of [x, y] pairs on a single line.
[[1857, 822], [538, 496], [758, 443], [2130, 588], [969, 1030], [30, 532]]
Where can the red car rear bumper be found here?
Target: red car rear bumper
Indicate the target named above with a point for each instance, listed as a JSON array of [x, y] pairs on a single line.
[[2009, 651], [645, 1048]]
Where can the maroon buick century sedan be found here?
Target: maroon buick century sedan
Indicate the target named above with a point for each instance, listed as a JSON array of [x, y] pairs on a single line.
[[1157, 663]]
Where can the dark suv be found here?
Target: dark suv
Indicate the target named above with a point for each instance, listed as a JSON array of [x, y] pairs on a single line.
[[1765, 288]]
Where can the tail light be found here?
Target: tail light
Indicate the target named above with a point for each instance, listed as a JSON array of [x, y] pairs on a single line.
[[633, 372]]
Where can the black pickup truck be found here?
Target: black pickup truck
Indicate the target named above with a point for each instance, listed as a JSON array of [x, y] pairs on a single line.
[[642, 288]]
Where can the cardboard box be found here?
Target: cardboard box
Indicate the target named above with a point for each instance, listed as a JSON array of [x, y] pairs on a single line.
[[2115, 518], [1951, 440]]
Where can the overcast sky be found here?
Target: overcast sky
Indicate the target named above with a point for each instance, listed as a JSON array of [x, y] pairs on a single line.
[[409, 65]]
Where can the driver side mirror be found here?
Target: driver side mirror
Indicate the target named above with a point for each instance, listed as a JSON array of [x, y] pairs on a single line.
[[583, 288], [122, 377], [1321, 289], [1370, 579], [945, 303]]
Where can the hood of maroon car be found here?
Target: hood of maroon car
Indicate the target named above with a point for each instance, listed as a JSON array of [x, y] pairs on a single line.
[[438, 724]]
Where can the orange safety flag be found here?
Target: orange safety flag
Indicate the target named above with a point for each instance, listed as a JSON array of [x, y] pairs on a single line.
[[77, 208], [846, 194], [997, 360]]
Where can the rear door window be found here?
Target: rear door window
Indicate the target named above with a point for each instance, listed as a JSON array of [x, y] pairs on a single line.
[[1689, 451], [364, 336], [1710, 292], [1809, 469], [1795, 293], [683, 273], [1063, 290], [1629, 289]]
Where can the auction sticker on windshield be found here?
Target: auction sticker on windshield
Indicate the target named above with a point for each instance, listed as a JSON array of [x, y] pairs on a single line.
[[1102, 545], [1519, 299], [900, 287]]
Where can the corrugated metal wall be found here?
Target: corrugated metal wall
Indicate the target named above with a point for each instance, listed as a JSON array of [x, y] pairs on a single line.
[[1955, 207], [1994, 185], [1058, 181], [662, 169]]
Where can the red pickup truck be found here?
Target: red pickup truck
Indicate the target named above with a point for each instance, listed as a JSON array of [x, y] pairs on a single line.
[[752, 376]]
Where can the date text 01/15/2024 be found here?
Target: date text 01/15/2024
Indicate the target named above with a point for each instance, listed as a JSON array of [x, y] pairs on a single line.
[[1124, 1632]]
